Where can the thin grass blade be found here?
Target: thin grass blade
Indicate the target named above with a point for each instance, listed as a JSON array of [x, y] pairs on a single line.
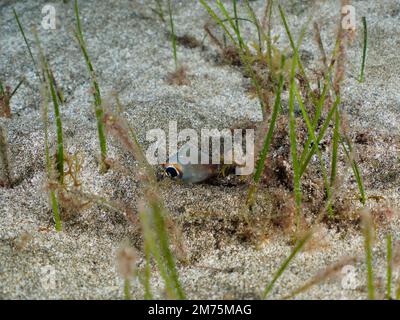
[[364, 56], [267, 141], [97, 95], [389, 240], [300, 244]]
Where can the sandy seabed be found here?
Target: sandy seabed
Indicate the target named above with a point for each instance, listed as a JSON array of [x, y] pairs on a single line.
[[132, 55]]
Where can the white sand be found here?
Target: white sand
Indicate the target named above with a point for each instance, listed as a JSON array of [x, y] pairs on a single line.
[[132, 55]]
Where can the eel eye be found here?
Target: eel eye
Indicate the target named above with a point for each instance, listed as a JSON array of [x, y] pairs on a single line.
[[172, 172]]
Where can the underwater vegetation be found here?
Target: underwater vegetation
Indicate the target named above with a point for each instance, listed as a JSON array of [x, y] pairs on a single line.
[[300, 113], [5, 98]]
